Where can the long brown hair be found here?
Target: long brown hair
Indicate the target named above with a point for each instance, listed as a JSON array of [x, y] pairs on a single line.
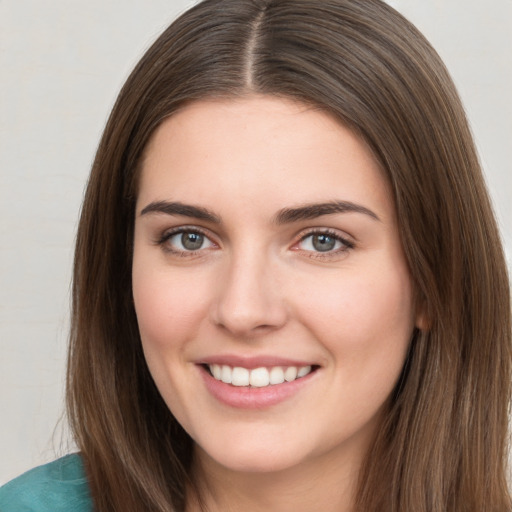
[[443, 444]]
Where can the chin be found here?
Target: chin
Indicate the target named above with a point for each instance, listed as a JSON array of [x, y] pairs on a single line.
[[251, 459]]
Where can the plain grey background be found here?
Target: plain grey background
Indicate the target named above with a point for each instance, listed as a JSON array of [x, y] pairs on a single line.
[[62, 63]]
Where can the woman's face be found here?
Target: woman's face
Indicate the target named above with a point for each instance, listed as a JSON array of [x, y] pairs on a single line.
[[273, 299]]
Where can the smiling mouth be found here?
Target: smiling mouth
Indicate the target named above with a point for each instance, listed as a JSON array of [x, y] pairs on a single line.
[[257, 377]]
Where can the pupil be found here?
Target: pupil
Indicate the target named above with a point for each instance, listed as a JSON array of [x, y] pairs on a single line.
[[192, 241], [323, 243]]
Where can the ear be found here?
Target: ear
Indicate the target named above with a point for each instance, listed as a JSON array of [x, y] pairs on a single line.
[[422, 319]]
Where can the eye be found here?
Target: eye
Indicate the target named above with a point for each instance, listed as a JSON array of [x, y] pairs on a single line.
[[324, 242], [186, 240]]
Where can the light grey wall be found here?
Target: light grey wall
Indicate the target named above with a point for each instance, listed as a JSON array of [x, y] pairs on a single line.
[[62, 63]]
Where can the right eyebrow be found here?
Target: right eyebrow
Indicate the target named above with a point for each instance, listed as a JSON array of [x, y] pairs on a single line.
[[177, 208]]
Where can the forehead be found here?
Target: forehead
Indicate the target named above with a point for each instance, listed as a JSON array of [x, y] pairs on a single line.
[[259, 148]]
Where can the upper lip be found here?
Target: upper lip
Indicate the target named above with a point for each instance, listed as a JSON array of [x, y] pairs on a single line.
[[252, 362]]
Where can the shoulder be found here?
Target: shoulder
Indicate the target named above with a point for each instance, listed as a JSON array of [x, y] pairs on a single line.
[[60, 486]]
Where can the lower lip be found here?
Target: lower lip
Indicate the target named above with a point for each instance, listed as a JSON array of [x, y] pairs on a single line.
[[253, 398]]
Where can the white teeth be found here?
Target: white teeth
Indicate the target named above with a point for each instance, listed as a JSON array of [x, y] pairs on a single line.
[[258, 377], [216, 370], [240, 376], [226, 374], [303, 371], [276, 375], [290, 374]]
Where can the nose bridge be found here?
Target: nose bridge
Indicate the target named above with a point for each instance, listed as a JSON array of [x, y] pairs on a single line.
[[249, 298]]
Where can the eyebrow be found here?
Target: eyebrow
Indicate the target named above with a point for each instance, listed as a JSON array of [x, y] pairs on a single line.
[[177, 208], [284, 216], [311, 211]]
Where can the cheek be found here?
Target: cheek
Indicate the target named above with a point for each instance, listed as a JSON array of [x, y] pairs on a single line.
[[169, 306], [360, 316], [367, 331], [170, 310]]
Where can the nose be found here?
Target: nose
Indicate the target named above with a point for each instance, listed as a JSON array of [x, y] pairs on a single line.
[[249, 300]]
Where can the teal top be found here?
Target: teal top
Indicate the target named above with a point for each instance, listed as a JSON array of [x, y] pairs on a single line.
[[60, 486]]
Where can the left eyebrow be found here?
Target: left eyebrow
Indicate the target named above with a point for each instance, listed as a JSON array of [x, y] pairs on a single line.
[[313, 210]]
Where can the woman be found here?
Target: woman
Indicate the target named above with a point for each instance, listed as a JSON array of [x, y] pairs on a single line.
[[289, 288]]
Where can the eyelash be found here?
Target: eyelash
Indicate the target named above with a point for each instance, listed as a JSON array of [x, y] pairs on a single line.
[[182, 230], [346, 244]]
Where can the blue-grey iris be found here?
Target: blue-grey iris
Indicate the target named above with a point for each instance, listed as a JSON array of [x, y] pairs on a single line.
[[192, 241], [323, 243]]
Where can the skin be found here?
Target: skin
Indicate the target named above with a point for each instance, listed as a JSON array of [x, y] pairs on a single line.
[[261, 287]]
